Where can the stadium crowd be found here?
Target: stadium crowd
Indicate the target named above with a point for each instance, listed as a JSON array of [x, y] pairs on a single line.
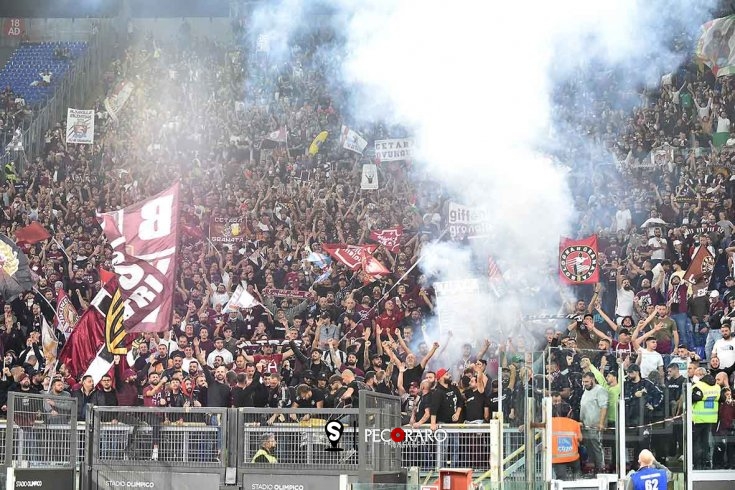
[[201, 112]]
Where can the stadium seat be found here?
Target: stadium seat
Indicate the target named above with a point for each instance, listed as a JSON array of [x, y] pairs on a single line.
[[29, 60]]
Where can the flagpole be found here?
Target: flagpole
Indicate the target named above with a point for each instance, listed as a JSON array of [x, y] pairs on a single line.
[[394, 286]]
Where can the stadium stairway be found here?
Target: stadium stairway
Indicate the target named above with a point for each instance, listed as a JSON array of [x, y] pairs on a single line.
[[29, 60]]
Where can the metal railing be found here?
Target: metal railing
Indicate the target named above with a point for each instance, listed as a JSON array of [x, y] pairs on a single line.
[[140, 436], [41, 431]]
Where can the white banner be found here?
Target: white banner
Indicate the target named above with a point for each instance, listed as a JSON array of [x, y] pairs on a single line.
[[464, 221], [352, 141], [80, 126], [458, 304], [394, 149], [115, 102], [369, 177]]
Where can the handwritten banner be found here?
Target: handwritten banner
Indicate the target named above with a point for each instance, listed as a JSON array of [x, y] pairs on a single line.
[[393, 150], [227, 230]]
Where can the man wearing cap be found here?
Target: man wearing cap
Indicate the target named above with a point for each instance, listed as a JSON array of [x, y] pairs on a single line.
[[729, 292]]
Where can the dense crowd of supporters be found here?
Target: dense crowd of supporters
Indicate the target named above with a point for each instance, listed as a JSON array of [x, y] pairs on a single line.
[[200, 112]]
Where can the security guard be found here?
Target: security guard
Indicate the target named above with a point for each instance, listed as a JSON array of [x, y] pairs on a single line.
[[265, 453], [705, 408], [566, 434]]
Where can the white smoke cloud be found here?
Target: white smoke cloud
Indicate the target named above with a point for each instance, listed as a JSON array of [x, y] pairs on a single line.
[[474, 81]]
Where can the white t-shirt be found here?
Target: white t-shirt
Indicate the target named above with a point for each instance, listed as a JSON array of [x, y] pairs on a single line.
[[657, 242], [624, 306], [622, 220], [723, 125], [650, 361], [725, 350], [226, 357]]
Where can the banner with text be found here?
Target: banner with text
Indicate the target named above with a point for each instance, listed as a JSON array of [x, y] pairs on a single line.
[[394, 150], [80, 126], [227, 230], [464, 221], [351, 140], [457, 304], [144, 240]]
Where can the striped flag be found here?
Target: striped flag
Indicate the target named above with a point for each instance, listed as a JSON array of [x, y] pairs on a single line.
[[495, 277]]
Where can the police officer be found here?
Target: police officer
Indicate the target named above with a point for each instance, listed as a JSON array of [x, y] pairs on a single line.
[[265, 453], [651, 475]]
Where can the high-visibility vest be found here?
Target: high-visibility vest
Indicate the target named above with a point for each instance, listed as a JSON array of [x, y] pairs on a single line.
[[268, 456], [565, 436], [705, 410]]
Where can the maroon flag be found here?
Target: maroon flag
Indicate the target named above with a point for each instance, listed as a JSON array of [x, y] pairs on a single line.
[[390, 238], [84, 342], [33, 233], [349, 255], [699, 271], [144, 237], [578, 261]]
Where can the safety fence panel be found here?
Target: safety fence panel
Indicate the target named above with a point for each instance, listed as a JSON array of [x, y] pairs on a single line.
[[139, 436], [41, 431], [298, 438]]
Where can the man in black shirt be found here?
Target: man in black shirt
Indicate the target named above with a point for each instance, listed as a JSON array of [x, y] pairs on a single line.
[[446, 407], [674, 397], [218, 391], [477, 407], [351, 396]]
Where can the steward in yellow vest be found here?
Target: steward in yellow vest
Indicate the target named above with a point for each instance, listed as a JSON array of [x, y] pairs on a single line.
[[265, 453]]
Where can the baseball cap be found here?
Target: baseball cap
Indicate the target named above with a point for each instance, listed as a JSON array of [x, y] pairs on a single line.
[[368, 376], [413, 384], [634, 367], [322, 376], [623, 331], [441, 372], [334, 378], [728, 278]]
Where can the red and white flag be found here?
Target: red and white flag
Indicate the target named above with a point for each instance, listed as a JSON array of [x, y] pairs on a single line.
[[372, 266], [390, 238], [66, 314], [349, 255], [578, 261], [144, 239]]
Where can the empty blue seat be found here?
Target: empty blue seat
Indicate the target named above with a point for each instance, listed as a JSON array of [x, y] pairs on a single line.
[[29, 60]]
